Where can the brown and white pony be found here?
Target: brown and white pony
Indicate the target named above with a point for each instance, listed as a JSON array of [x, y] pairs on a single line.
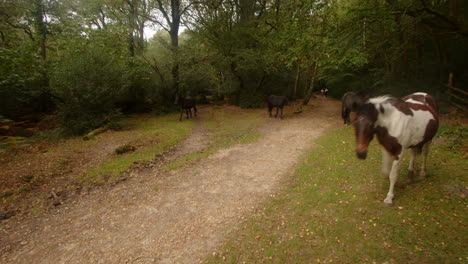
[[399, 124]]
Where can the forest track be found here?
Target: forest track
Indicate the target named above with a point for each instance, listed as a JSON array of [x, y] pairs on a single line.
[[178, 217]]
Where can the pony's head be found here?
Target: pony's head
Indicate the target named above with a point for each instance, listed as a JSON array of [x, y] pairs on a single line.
[[351, 101], [177, 99], [364, 127]]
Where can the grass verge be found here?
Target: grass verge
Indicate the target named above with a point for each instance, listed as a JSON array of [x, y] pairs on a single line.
[[154, 134], [234, 126], [333, 212], [228, 126]]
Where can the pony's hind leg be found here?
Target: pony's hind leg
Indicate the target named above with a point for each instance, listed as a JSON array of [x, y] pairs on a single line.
[[411, 165], [425, 152], [195, 110]]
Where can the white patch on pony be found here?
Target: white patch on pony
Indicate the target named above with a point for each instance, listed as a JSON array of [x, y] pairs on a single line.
[[379, 100], [420, 93], [414, 101], [408, 130]]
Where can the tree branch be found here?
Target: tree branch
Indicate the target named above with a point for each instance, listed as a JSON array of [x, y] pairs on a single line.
[[164, 12]]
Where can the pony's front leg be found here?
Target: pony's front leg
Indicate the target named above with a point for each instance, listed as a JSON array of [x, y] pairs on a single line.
[[387, 160], [277, 109], [181, 113], [393, 178], [270, 109]]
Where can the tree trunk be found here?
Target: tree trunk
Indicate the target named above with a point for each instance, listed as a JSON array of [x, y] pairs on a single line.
[[41, 27], [131, 44], [296, 82], [174, 32], [238, 76], [310, 89]]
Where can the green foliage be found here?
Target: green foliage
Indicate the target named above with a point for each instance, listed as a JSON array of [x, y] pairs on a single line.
[[89, 79], [250, 99], [391, 47], [202, 79], [21, 80], [250, 49], [143, 90]]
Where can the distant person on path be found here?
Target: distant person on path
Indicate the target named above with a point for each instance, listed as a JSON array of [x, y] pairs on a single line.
[[324, 92]]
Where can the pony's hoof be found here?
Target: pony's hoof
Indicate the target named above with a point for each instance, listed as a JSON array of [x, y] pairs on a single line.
[[388, 204], [410, 176], [388, 201]]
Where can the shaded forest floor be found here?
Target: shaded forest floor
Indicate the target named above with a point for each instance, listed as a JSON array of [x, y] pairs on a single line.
[[176, 207]]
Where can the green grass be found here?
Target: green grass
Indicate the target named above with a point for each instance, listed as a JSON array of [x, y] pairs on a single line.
[[333, 212], [156, 133], [234, 126], [228, 127], [188, 159]]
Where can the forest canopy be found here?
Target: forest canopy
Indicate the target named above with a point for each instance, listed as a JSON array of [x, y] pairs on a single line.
[[89, 61]]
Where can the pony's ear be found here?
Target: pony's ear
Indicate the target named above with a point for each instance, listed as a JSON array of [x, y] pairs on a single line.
[[358, 101], [365, 93]]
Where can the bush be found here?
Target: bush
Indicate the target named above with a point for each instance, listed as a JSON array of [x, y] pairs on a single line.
[[89, 80], [22, 82], [142, 92], [251, 99]]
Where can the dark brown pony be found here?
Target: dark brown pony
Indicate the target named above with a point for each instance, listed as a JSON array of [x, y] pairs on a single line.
[[186, 104], [399, 124], [278, 102]]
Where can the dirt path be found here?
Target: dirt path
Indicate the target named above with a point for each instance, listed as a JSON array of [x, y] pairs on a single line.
[[178, 217]]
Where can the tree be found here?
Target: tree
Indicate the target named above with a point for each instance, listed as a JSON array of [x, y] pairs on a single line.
[[172, 13]]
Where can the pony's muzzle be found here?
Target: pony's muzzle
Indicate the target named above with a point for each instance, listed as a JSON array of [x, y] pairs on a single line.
[[361, 154]]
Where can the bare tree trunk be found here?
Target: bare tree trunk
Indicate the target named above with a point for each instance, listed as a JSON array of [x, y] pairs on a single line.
[[296, 82], [41, 27], [310, 89], [173, 19]]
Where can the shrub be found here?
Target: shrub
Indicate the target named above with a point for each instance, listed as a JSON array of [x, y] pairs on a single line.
[[89, 80], [251, 99], [22, 82]]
